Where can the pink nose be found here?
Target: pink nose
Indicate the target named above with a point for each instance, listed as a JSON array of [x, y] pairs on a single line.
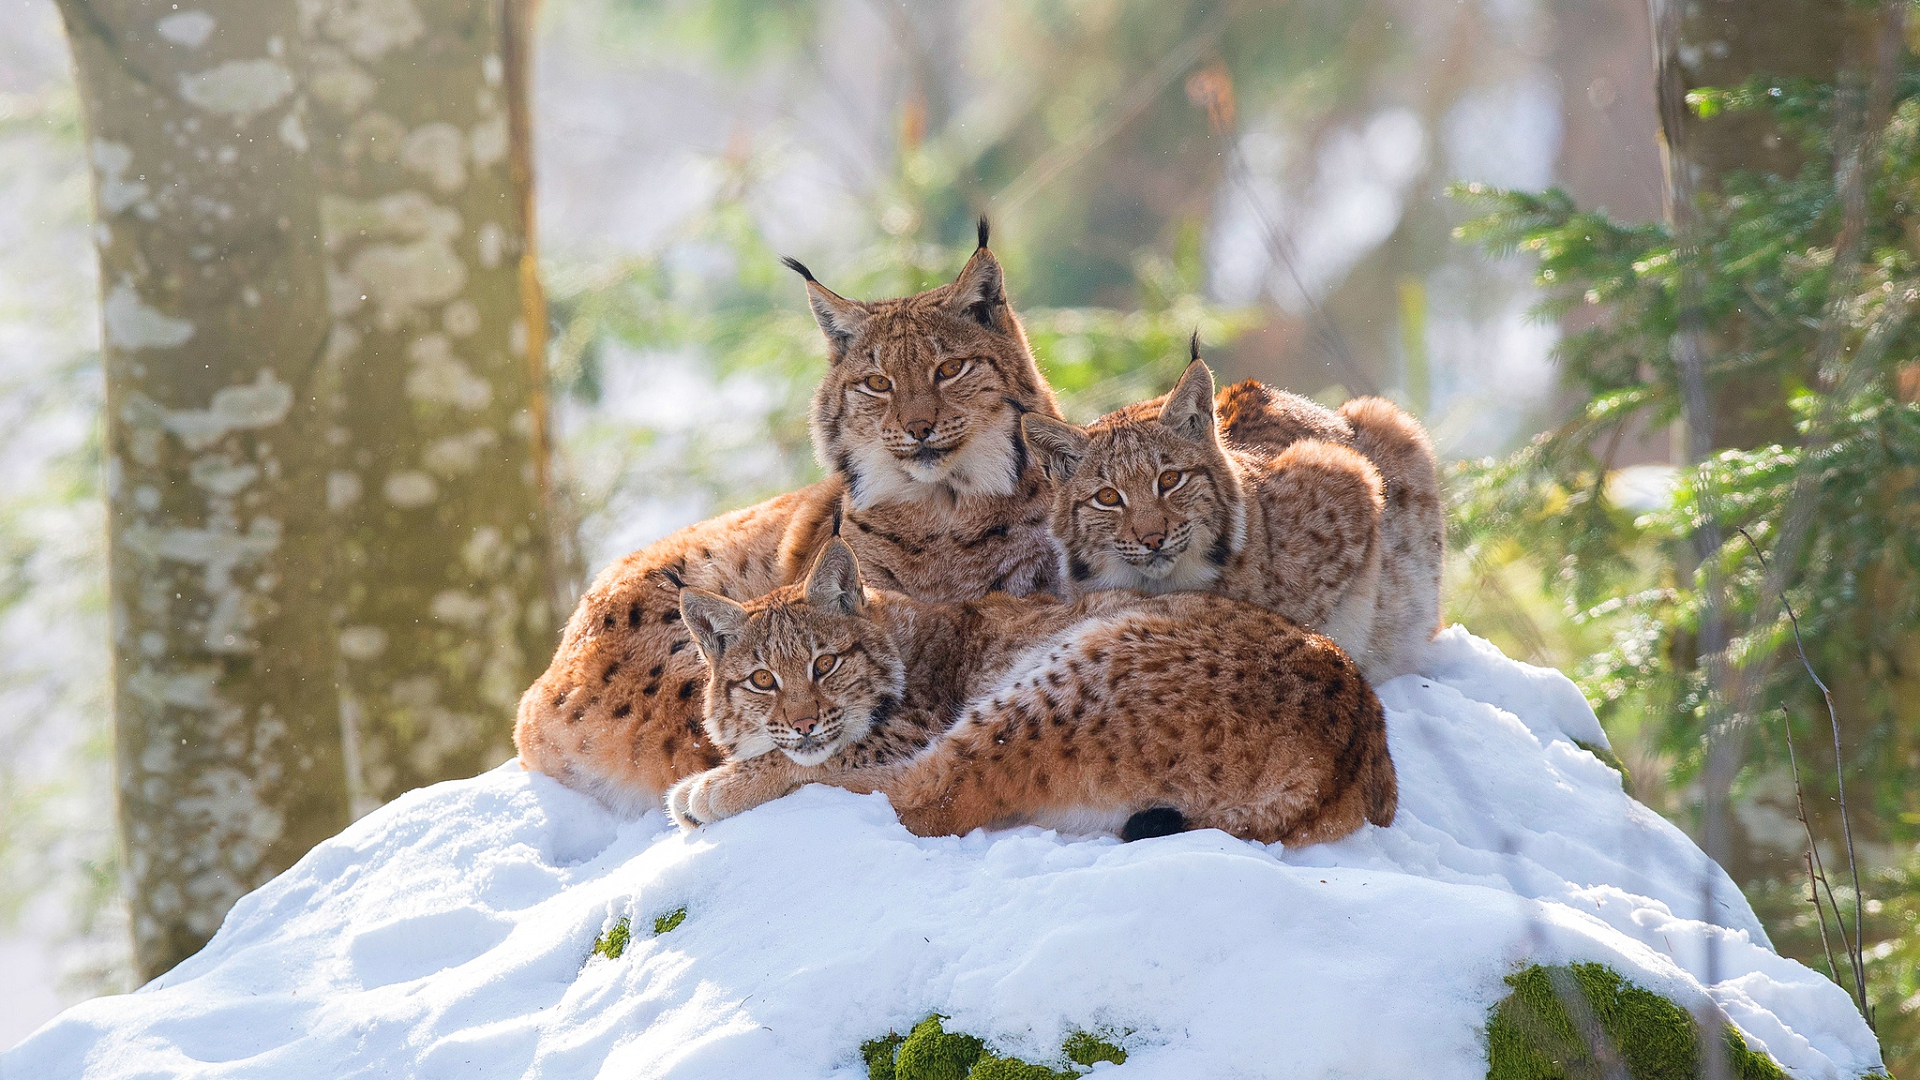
[[805, 724], [919, 429], [1152, 541]]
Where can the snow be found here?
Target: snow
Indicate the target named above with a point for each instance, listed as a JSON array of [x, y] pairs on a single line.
[[449, 934]]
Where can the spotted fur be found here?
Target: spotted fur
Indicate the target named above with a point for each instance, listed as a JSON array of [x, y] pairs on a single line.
[[1072, 715], [930, 483], [1164, 505]]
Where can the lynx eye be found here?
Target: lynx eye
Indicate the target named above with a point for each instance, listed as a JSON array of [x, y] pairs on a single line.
[[761, 680], [1170, 479], [950, 369], [1106, 496], [879, 384], [824, 664]]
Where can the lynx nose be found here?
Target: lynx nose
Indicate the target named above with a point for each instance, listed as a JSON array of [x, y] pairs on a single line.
[[919, 429], [805, 724], [1153, 540]]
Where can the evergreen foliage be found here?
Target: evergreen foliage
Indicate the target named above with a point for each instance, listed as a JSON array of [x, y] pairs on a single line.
[[1814, 334]]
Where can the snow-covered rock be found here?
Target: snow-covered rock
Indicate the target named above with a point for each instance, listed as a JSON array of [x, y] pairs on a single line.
[[450, 934]]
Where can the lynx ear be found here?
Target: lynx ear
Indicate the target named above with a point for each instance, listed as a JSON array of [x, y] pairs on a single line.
[[980, 292], [713, 618], [839, 318], [834, 584], [1059, 445], [1189, 407]]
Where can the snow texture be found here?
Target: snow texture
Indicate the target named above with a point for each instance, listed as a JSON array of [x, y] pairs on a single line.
[[449, 934]]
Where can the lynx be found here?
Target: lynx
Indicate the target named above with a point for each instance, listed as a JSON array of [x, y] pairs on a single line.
[[918, 418], [1332, 519], [1159, 712]]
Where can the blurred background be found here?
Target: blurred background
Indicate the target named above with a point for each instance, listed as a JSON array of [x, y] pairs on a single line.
[[1460, 206]]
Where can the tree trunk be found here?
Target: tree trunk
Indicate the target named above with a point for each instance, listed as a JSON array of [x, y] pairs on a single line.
[[445, 572], [1722, 43], [215, 312]]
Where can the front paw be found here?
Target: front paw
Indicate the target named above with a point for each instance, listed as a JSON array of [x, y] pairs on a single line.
[[680, 804]]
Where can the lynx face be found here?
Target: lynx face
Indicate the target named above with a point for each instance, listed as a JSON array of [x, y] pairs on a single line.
[[925, 393], [1152, 505], [802, 670]]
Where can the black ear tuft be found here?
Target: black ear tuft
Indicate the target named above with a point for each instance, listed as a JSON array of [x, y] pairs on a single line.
[[666, 579], [983, 230], [796, 266], [838, 509], [1193, 347]]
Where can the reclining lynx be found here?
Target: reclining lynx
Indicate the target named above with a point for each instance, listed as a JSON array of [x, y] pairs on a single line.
[[1074, 715], [1293, 513], [918, 418]]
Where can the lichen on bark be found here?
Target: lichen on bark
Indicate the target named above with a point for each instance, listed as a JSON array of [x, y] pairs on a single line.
[[215, 316], [445, 575]]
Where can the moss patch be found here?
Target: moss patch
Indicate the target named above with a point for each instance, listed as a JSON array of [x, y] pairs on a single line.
[[1085, 1048], [613, 941], [668, 921], [930, 1052], [1608, 758], [879, 1054], [1586, 1022]]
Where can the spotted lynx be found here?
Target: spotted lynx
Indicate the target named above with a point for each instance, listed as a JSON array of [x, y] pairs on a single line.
[[1331, 518], [918, 417], [1075, 715]]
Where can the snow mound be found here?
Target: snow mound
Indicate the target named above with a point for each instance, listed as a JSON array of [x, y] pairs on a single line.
[[451, 934]]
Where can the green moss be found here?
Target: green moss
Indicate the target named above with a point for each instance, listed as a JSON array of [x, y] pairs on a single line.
[[930, 1052], [1608, 758], [668, 921], [879, 1053], [613, 942], [1085, 1048], [990, 1067], [1586, 1022]]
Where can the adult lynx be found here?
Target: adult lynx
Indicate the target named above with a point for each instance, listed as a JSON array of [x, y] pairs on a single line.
[[918, 416], [1075, 715]]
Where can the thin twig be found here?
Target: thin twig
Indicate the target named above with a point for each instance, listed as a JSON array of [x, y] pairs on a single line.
[[1819, 911], [1856, 948]]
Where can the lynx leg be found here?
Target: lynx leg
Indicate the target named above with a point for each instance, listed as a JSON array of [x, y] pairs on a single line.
[[733, 788]]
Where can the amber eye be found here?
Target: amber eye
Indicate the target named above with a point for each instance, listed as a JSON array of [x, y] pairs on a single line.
[[950, 369], [761, 680], [1107, 497], [1169, 479], [823, 664], [879, 384]]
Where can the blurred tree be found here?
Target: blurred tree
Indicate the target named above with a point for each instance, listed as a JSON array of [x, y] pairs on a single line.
[[333, 565], [215, 313], [445, 581]]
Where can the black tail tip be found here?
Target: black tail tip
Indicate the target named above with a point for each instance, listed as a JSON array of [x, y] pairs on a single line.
[[796, 266], [1159, 821], [1193, 347], [983, 230]]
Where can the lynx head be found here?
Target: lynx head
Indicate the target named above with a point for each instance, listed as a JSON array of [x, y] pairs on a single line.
[[924, 394], [802, 669], [1152, 502]]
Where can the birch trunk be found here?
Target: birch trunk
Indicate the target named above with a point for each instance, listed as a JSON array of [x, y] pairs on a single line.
[[214, 285], [445, 574]]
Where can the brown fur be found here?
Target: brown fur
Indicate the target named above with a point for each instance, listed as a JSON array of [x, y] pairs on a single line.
[[1296, 531], [952, 517], [1070, 715], [1384, 615]]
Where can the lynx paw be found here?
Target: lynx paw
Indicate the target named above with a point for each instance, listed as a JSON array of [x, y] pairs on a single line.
[[680, 803]]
